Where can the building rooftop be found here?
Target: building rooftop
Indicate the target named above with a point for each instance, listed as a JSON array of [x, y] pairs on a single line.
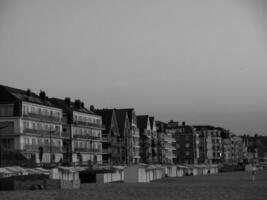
[[28, 96], [142, 121], [67, 105]]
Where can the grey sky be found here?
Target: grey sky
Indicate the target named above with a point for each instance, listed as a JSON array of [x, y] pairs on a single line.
[[204, 62]]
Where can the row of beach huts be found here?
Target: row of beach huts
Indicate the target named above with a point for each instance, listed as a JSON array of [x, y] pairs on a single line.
[[72, 177]]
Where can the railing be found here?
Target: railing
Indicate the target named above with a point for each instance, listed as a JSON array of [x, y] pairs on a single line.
[[87, 137], [46, 148], [44, 133], [90, 124], [41, 117], [90, 150]]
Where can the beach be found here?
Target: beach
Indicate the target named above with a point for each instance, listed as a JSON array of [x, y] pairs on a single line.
[[230, 185]]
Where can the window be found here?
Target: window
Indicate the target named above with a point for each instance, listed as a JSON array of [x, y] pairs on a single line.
[[33, 125], [187, 153], [26, 140], [26, 124], [187, 145], [24, 110], [51, 112], [40, 141], [34, 141], [46, 141]]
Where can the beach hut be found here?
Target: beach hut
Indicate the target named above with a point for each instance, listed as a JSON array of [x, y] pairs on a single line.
[[194, 170], [114, 175], [65, 173], [136, 174], [180, 170], [118, 175], [170, 171]]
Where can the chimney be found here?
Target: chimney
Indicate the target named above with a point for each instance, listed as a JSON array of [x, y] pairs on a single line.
[[183, 123], [28, 92], [82, 104], [42, 95], [92, 108], [67, 101], [77, 103]]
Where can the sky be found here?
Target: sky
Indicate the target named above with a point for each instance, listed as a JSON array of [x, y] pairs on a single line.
[[202, 62]]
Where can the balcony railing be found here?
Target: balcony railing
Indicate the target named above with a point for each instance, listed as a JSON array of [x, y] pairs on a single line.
[[46, 148], [43, 133], [40, 117], [89, 150], [95, 125], [87, 137]]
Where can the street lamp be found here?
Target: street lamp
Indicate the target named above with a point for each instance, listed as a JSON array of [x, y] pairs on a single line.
[[1, 146]]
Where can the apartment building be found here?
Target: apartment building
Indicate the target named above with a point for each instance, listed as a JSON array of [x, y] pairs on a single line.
[[125, 136], [210, 145], [111, 146], [187, 144], [82, 132], [30, 124], [143, 123], [133, 138]]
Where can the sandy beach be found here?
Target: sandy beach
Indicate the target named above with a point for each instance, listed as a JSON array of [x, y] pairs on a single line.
[[231, 185]]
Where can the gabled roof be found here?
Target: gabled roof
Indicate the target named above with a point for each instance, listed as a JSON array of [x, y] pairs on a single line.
[[60, 103], [129, 112], [107, 115], [122, 118], [142, 121], [151, 120], [27, 96]]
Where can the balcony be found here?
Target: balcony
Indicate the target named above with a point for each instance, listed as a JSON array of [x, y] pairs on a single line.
[[87, 150], [87, 137], [46, 148], [90, 124], [42, 118], [42, 133]]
